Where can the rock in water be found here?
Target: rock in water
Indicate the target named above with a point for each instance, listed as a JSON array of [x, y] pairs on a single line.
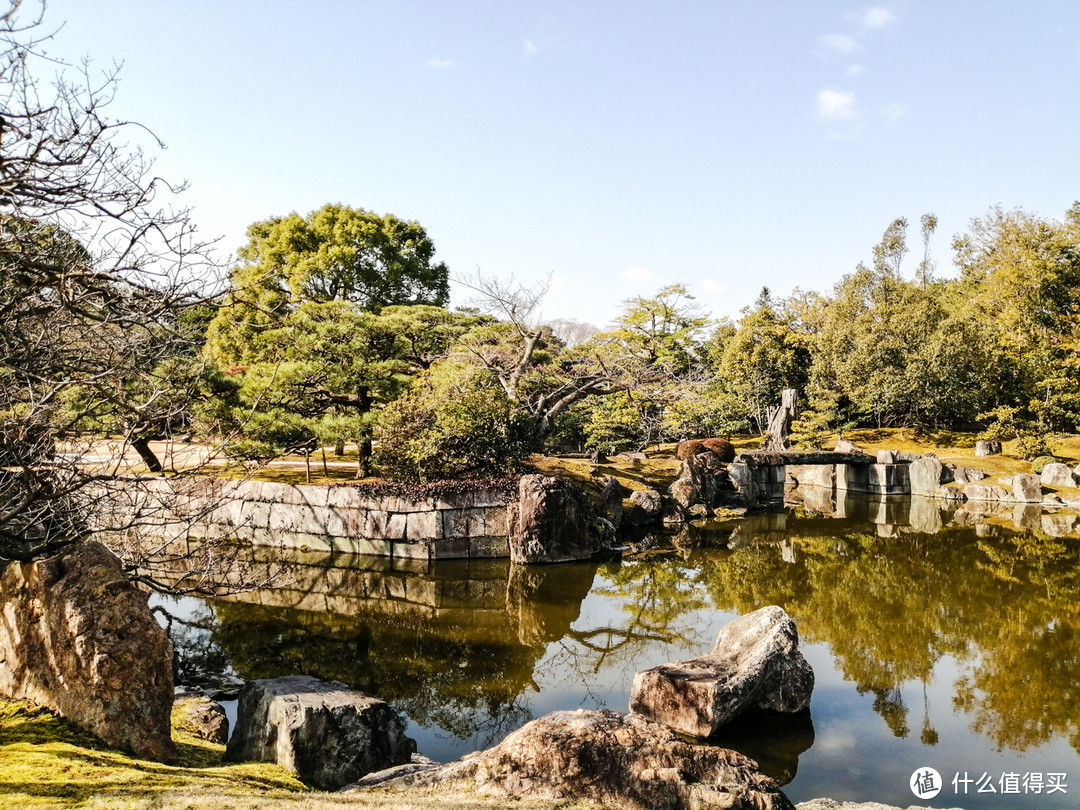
[[328, 734], [756, 664], [550, 522], [612, 759], [79, 638]]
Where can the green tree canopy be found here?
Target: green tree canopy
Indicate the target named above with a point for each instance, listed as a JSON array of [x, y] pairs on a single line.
[[333, 254]]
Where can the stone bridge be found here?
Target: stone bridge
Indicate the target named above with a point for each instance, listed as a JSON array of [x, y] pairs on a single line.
[[758, 474]]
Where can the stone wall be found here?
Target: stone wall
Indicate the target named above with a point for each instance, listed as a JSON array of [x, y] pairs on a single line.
[[453, 525]]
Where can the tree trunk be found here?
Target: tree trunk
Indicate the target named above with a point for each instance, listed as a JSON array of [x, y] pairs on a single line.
[[339, 447], [141, 445], [780, 420]]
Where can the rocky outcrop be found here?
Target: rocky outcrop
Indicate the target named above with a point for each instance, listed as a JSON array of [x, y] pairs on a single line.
[[77, 636], [203, 718], [328, 734], [612, 759], [551, 522], [756, 664], [987, 448]]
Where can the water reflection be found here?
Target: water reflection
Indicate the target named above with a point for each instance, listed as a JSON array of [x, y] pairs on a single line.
[[958, 630]]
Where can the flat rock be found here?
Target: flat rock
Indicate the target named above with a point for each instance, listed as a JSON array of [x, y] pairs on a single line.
[[612, 759], [756, 664], [967, 475], [986, 492], [328, 734]]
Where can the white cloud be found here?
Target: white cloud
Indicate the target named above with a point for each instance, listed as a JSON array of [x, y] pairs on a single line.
[[837, 43], [894, 111], [855, 70], [876, 17], [637, 273], [439, 64], [835, 105], [713, 287], [530, 46]]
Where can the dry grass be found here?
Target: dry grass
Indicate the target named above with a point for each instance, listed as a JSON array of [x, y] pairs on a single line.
[[47, 763]]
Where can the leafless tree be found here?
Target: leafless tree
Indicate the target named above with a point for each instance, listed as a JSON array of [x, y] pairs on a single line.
[[529, 361], [98, 268]]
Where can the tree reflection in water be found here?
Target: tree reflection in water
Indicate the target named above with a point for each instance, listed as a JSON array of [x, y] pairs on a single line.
[[462, 646]]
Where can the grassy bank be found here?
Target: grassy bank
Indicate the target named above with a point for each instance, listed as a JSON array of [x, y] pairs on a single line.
[[46, 762]]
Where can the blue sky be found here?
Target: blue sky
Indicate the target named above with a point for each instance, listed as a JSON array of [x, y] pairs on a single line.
[[618, 146]]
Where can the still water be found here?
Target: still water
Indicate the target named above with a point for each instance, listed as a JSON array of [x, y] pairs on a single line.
[[956, 648]]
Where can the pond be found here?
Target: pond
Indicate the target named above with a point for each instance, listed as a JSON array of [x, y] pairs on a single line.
[[957, 650]]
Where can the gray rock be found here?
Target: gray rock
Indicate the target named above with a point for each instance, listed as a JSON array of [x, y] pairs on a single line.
[[551, 522], [1057, 474], [645, 506], [924, 476], [755, 664], [78, 638], [887, 456], [967, 475], [844, 446], [328, 734], [611, 759], [986, 492], [1026, 488], [987, 448], [612, 498]]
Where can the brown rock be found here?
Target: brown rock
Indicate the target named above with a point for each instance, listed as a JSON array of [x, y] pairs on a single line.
[[611, 758], [755, 664], [203, 718], [550, 522], [78, 637]]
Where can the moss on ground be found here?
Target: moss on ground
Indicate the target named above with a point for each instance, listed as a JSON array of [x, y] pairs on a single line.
[[45, 762]]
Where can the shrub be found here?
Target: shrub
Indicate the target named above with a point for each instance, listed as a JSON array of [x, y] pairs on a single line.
[[722, 447], [1038, 464], [684, 450], [456, 422]]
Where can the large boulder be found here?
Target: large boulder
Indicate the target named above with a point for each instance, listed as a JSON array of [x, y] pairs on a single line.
[[328, 734], [1026, 488], [756, 664], [611, 759], [984, 447], [79, 638], [924, 476], [1057, 474], [551, 521]]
